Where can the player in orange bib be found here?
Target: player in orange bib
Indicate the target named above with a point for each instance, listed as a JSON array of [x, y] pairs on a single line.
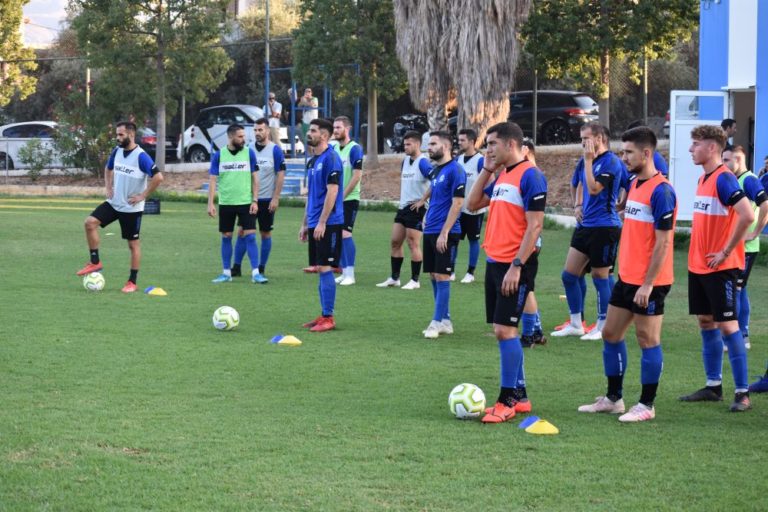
[[645, 278], [722, 215]]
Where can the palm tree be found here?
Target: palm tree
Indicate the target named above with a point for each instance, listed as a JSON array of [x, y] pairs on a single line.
[[469, 49]]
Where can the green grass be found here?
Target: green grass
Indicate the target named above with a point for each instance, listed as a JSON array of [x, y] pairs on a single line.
[[114, 402]]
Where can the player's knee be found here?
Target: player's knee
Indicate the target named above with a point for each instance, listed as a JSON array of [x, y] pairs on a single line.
[[569, 278], [91, 222], [706, 322], [504, 332]]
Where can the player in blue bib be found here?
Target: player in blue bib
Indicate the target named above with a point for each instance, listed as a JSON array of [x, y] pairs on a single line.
[[323, 218]]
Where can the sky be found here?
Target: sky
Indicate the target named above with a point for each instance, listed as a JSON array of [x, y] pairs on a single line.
[[43, 13]]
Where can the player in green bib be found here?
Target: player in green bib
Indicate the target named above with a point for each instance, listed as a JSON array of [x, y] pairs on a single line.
[[352, 160], [235, 173]]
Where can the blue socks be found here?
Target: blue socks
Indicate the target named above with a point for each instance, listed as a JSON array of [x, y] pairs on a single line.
[[537, 323], [474, 253], [511, 360], [712, 353], [348, 252], [583, 288], [614, 358], [253, 250], [529, 323], [737, 355], [603, 288], [573, 292], [743, 309], [651, 364], [442, 297], [327, 289], [239, 250], [266, 248], [226, 253]]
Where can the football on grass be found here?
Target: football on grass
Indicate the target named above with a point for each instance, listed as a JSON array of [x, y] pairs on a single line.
[[94, 282], [466, 401], [226, 318]]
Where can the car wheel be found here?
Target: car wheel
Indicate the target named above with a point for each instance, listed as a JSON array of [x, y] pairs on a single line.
[[2, 162], [198, 155], [555, 132]]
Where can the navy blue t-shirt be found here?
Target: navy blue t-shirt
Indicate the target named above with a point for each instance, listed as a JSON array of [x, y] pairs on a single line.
[[448, 181], [600, 210], [323, 170]]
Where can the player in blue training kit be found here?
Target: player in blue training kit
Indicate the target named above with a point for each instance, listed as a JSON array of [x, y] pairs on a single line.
[[441, 228], [323, 218], [471, 222], [271, 160], [131, 176], [595, 240]]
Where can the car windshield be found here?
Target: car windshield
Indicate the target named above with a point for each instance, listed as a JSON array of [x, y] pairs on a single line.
[[585, 101], [253, 112]]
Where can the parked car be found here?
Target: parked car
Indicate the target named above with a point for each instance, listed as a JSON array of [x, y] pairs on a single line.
[[147, 139], [209, 131], [560, 114], [416, 122], [14, 136]]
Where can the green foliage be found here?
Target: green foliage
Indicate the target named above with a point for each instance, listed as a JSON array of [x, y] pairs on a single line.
[[15, 78], [336, 33], [37, 156], [568, 37]]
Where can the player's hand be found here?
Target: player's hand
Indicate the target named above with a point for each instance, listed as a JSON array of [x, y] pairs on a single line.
[[589, 150], [510, 281], [303, 233], [416, 205], [108, 192], [211, 210], [714, 259], [254, 209], [274, 204], [578, 212], [642, 295], [620, 213], [442, 243], [136, 199], [751, 236], [319, 231]]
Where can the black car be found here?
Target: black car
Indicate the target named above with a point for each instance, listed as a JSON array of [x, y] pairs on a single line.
[[560, 114], [147, 139]]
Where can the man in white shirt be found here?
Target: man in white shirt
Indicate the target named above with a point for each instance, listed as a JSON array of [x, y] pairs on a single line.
[[272, 111]]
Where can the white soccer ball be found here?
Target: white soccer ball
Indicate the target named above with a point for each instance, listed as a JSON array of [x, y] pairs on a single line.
[[466, 401], [94, 282], [226, 318]]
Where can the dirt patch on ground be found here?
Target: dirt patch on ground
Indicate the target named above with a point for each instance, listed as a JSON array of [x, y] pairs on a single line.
[[382, 183]]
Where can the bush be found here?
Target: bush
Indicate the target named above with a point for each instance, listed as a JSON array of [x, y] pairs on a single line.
[[84, 146], [37, 156]]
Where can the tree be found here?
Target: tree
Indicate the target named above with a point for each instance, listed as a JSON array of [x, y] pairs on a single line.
[[350, 45], [580, 38], [151, 52], [469, 49], [14, 69]]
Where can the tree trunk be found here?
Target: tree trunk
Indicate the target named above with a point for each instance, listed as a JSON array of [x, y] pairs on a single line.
[[604, 101], [372, 155], [160, 129], [437, 116]]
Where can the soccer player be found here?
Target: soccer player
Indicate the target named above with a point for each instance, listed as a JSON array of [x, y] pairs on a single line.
[[129, 178], [645, 278], [441, 228], [414, 193], [471, 222], [323, 218], [234, 172], [735, 160], [271, 161], [721, 217], [517, 194], [352, 159], [595, 240]]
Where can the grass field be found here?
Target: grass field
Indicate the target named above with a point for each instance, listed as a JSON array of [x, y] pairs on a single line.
[[115, 402]]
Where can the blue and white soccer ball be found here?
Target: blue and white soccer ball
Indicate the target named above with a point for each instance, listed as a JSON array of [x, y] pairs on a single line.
[[466, 401], [94, 282], [226, 318]]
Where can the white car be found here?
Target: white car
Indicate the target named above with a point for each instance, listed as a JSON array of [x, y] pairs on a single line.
[[209, 131], [16, 135]]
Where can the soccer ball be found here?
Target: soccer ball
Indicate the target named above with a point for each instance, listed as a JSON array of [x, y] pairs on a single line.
[[466, 401], [226, 318], [94, 282]]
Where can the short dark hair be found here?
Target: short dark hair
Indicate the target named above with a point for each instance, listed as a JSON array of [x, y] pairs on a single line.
[[262, 120], [641, 136], [442, 134], [344, 120], [727, 123], [709, 132], [323, 124], [233, 128], [529, 144], [413, 135], [470, 133], [507, 131], [598, 129], [128, 125], [739, 148]]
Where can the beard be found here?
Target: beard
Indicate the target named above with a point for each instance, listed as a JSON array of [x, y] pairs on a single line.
[[124, 143], [238, 145], [312, 142], [438, 154]]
